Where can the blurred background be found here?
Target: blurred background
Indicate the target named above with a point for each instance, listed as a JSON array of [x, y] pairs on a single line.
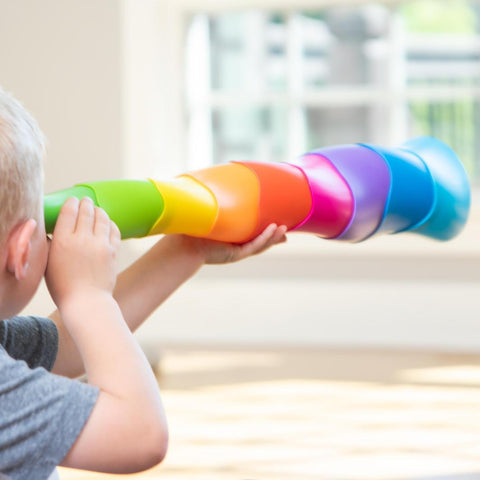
[[315, 360]]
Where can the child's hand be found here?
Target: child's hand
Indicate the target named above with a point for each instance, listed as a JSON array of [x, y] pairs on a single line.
[[214, 252], [82, 252]]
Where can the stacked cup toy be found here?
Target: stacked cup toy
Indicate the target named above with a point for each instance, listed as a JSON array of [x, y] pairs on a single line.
[[347, 192]]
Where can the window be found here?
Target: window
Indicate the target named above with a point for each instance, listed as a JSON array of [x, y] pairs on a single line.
[[269, 85]]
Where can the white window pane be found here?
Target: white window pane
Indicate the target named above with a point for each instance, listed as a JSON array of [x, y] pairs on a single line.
[[267, 85], [457, 123], [249, 133], [344, 45], [339, 125], [443, 64], [240, 46]]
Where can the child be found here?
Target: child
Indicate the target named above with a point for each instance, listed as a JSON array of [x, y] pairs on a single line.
[[115, 422]]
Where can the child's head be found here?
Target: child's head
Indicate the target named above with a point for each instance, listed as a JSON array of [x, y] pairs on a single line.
[[23, 244]]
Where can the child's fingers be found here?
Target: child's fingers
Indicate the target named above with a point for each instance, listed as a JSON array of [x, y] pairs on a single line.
[[115, 236], [269, 237], [86, 215], [67, 218], [101, 225], [279, 235], [259, 242]]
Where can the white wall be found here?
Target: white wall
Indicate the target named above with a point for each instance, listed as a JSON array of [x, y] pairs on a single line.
[[62, 59], [104, 79], [153, 88]]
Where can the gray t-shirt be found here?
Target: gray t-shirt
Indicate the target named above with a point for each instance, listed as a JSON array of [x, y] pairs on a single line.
[[41, 414]]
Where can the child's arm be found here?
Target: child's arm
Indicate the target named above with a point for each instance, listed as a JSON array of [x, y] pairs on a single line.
[[81, 278], [173, 260], [147, 283]]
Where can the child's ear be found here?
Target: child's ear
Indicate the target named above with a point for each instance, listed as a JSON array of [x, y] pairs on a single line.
[[19, 248]]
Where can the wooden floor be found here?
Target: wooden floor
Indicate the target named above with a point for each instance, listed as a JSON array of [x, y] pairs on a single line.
[[317, 414]]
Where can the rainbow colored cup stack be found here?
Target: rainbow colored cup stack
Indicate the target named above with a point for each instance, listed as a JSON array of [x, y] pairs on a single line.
[[346, 192]]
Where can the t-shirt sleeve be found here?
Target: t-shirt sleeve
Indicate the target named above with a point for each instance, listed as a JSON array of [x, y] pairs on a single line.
[[32, 339], [42, 416]]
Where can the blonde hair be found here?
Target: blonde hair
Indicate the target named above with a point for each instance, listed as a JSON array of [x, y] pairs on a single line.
[[22, 147]]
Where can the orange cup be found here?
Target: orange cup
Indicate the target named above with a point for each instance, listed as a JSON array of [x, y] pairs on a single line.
[[285, 197], [236, 190]]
